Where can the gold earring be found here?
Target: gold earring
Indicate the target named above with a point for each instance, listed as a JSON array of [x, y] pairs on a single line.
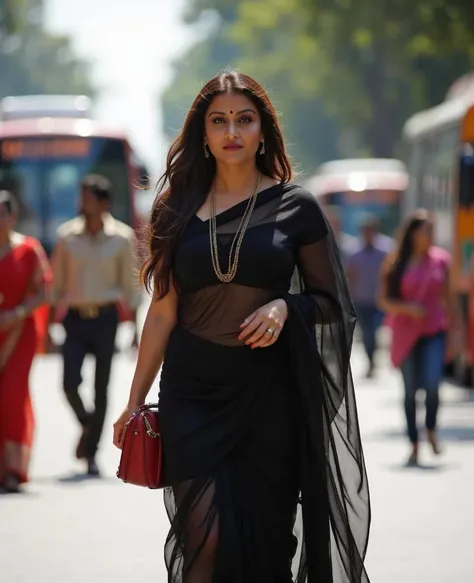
[[206, 151], [262, 151]]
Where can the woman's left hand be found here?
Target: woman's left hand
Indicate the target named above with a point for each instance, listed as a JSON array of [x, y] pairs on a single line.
[[263, 327]]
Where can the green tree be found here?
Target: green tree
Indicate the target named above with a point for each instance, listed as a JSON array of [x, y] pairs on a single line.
[[399, 56], [200, 63], [277, 49], [372, 65], [31, 59], [345, 74], [8, 17]]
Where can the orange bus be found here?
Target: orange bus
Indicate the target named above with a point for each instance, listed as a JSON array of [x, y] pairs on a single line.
[[440, 144], [359, 187], [47, 145]]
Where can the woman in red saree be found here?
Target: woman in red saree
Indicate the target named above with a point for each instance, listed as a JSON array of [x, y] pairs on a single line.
[[24, 273]]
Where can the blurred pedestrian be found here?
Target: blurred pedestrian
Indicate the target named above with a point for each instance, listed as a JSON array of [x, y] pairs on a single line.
[[345, 242], [24, 275], [94, 266], [363, 271], [256, 390], [416, 293]]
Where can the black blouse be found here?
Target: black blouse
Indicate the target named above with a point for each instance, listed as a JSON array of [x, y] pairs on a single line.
[[285, 220]]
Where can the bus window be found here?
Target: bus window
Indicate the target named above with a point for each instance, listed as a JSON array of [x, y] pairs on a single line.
[[466, 178], [62, 182], [465, 217], [411, 200], [355, 206], [23, 182], [109, 158]]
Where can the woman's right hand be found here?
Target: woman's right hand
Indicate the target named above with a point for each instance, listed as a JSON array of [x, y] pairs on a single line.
[[415, 310], [119, 426]]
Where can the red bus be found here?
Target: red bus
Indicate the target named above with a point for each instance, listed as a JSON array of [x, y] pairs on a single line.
[[47, 145]]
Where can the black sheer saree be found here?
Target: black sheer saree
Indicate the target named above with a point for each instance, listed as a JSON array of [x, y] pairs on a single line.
[[262, 447]]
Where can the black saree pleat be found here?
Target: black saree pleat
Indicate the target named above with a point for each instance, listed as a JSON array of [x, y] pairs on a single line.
[[231, 443], [334, 487]]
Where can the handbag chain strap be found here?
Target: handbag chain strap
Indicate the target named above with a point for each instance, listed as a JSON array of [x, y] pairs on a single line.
[[149, 428]]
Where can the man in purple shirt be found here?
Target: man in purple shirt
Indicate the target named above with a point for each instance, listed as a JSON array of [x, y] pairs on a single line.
[[345, 242], [363, 271]]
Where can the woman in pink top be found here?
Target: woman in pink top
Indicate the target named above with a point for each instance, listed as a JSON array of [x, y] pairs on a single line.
[[415, 292]]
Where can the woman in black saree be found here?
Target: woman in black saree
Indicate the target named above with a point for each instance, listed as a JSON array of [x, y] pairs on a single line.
[[252, 321]]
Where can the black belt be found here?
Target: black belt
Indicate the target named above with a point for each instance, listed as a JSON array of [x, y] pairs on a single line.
[[92, 311]]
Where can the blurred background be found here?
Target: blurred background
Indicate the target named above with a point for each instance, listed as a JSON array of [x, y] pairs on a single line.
[[377, 104]]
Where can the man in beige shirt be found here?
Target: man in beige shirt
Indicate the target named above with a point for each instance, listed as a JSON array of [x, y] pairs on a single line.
[[94, 267]]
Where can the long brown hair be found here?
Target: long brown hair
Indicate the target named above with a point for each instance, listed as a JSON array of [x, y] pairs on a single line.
[[188, 177], [404, 251]]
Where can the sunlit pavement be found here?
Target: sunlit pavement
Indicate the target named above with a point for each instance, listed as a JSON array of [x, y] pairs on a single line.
[[66, 529]]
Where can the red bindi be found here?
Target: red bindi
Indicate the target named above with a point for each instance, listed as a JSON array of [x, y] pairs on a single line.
[[231, 111]]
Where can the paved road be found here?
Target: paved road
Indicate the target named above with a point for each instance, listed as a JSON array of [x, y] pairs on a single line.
[[67, 529]]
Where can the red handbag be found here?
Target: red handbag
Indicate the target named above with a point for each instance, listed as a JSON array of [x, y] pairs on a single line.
[[141, 462]]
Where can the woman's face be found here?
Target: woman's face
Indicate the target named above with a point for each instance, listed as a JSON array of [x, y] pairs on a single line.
[[423, 237], [7, 221], [233, 128]]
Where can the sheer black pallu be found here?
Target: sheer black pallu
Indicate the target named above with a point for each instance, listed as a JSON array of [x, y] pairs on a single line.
[[334, 488]]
